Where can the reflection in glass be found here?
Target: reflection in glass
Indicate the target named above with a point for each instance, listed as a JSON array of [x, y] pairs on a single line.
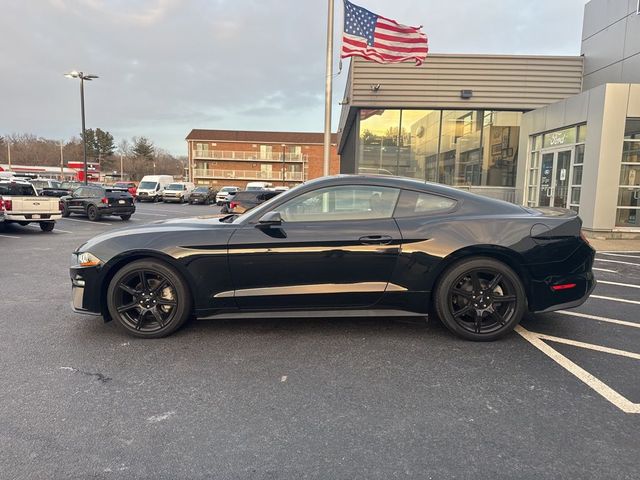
[[454, 147]]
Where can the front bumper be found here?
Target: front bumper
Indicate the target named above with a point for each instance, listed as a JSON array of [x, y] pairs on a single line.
[[166, 198], [85, 290]]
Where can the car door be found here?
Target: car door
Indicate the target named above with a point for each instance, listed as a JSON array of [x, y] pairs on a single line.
[[335, 247], [76, 200]]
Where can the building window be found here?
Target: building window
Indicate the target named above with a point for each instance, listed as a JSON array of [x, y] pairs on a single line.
[[454, 147], [266, 152], [576, 178], [628, 214]]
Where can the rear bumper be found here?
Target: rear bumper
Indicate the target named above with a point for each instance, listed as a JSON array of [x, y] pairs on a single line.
[[30, 217], [124, 210]]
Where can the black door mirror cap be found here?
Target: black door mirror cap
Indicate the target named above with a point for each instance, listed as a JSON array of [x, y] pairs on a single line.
[[270, 218]]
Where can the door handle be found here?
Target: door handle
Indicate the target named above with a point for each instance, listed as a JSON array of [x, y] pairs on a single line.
[[376, 240]]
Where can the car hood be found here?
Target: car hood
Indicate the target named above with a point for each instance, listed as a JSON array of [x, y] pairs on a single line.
[[154, 235]]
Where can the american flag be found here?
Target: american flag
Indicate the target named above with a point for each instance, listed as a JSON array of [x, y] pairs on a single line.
[[380, 39]]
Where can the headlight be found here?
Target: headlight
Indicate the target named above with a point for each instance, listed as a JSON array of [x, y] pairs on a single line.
[[86, 259]]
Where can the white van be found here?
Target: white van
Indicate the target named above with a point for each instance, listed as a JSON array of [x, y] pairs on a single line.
[[258, 186], [178, 192], [151, 186]]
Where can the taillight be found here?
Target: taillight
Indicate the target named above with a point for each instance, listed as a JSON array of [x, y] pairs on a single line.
[[564, 286], [584, 238], [60, 206], [104, 200], [233, 204], [5, 204]]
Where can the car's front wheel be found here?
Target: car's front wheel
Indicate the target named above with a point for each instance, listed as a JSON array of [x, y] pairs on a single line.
[[65, 210], [149, 299], [480, 299]]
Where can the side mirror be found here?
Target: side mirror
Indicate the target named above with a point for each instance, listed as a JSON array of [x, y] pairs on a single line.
[[270, 219]]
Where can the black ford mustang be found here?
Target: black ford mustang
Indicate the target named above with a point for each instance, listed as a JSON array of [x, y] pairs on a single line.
[[342, 246]]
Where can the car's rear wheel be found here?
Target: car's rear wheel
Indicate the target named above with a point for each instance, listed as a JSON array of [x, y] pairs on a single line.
[[47, 226], [480, 299], [92, 213], [149, 299]]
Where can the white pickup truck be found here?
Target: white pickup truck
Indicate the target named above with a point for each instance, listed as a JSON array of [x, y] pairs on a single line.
[[20, 203]]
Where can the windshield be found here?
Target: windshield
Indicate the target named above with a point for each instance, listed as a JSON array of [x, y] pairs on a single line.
[[201, 189], [267, 206], [148, 185], [228, 189], [175, 186], [122, 185]]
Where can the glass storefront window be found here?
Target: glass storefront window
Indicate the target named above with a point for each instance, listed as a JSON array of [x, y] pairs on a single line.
[[536, 142], [628, 212], [582, 133], [454, 147]]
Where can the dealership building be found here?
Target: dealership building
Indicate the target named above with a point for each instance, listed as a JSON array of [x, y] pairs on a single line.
[[560, 131]]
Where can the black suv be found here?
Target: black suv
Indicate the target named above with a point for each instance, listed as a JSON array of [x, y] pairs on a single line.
[[94, 201], [204, 195], [247, 199]]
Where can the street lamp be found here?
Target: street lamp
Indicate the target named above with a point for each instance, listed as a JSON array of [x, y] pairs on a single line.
[[82, 78], [283, 165]]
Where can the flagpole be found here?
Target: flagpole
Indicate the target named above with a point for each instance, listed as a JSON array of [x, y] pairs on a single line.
[[327, 91]]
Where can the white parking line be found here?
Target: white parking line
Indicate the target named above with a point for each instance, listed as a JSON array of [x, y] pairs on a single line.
[[614, 299], [8, 236], [599, 319], [599, 386], [152, 214], [86, 222], [604, 270], [616, 261], [589, 346], [619, 284], [619, 255], [619, 251]]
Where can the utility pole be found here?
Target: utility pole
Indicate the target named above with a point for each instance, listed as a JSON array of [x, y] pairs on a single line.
[[61, 162], [327, 91]]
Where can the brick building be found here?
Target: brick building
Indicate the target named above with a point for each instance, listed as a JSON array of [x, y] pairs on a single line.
[[234, 157]]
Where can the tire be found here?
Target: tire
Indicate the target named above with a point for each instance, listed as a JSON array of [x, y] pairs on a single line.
[[480, 299], [92, 213], [126, 292], [65, 211], [47, 226], [125, 217]]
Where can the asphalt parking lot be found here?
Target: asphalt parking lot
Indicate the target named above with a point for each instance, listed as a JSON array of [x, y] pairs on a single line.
[[309, 398]]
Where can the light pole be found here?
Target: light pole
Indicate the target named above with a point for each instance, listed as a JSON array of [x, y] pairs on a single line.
[[82, 78], [283, 164]]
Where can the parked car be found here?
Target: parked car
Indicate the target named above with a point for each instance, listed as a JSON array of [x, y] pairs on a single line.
[[20, 203], [258, 186], [248, 199], [131, 187], [47, 187], [178, 192], [151, 186], [70, 186], [343, 245], [95, 201], [225, 194], [204, 195]]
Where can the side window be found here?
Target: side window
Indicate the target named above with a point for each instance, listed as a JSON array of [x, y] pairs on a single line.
[[413, 204], [356, 202]]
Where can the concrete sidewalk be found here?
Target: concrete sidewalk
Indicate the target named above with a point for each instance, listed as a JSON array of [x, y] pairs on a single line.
[[615, 245]]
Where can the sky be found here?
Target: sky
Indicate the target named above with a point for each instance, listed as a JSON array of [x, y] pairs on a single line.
[[167, 66]]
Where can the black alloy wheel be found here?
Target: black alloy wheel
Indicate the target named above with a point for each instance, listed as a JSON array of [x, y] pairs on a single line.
[[149, 299], [480, 299], [92, 213]]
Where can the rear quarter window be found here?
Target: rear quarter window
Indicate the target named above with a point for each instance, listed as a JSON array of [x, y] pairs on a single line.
[[413, 204]]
